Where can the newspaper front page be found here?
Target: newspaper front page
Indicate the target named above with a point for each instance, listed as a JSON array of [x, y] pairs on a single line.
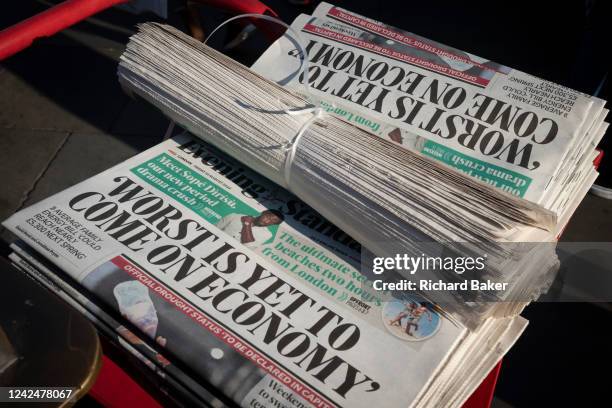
[[200, 253], [504, 127]]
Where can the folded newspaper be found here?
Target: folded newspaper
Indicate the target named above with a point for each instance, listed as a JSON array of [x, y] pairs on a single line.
[[522, 134], [217, 276], [392, 200]]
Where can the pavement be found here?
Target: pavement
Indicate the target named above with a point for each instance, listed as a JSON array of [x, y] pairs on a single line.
[[63, 115], [64, 118]]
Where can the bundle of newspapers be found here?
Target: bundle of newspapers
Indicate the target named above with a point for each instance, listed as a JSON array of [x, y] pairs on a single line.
[[390, 199], [233, 289], [521, 134], [234, 257]]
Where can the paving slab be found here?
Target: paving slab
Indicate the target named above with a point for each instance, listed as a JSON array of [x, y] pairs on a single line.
[[24, 157], [139, 118], [61, 88], [85, 155]]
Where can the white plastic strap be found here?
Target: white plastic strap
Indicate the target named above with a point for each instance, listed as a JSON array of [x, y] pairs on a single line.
[[291, 146], [297, 38], [316, 111]]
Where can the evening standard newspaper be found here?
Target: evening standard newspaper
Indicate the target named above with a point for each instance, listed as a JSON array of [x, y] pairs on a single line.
[[525, 135], [201, 254]]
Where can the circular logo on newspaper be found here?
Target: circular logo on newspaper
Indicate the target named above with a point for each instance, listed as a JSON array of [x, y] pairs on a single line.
[[411, 318]]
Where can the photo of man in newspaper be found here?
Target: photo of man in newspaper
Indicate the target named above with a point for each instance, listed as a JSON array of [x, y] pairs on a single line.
[[251, 231]]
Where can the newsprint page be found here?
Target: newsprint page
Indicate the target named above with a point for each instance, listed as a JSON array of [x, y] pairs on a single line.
[[199, 253]]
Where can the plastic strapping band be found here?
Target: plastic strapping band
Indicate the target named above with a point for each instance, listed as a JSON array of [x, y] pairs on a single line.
[[291, 147], [297, 39]]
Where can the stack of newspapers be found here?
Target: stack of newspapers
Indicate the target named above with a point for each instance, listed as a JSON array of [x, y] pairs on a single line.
[[219, 279], [233, 258], [519, 133], [390, 199]]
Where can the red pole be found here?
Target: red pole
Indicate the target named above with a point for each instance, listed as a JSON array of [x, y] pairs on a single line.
[[20, 36], [240, 6]]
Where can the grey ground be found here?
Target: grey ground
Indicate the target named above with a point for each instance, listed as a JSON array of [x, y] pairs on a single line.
[[63, 116]]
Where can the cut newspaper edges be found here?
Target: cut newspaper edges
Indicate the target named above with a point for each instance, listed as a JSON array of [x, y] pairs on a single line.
[[252, 289], [372, 189]]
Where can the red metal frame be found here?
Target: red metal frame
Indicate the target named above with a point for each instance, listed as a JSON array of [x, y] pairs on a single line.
[[483, 396], [116, 389], [49, 22], [113, 382], [57, 18], [240, 6]]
